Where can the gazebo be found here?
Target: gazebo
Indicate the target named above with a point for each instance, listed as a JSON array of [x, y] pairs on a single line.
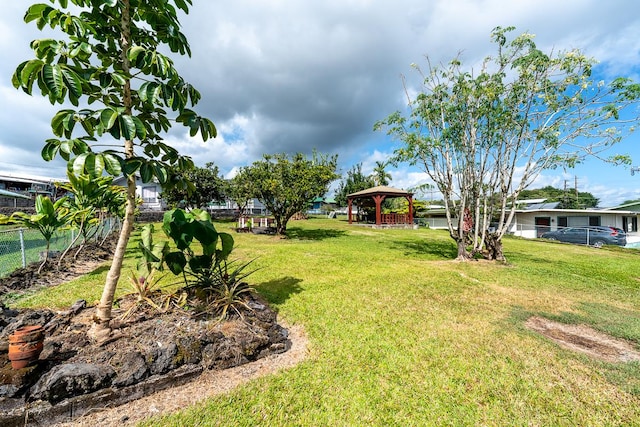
[[378, 194]]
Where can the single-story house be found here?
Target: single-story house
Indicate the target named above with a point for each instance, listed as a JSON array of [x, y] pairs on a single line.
[[254, 207], [533, 222], [321, 205], [21, 191], [149, 192], [534, 217]]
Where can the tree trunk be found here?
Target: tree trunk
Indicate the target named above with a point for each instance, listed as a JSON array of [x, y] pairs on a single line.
[[493, 248], [281, 226], [463, 254], [101, 328]]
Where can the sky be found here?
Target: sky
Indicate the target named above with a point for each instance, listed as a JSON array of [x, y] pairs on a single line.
[[293, 76]]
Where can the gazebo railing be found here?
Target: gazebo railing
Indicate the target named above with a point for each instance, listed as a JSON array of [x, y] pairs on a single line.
[[395, 218]]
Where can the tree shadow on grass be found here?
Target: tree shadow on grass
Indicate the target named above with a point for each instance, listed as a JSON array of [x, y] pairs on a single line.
[[277, 291], [435, 248], [98, 271], [315, 234]]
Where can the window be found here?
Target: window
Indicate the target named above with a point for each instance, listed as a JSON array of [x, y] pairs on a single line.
[[594, 220], [563, 221], [149, 194]]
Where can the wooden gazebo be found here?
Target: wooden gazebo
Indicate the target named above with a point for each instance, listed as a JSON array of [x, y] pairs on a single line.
[[378, 194]]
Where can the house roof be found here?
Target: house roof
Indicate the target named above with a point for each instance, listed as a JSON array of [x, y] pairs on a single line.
[[540, 206], [380, 189], [625, 205], [578, 211], [29, 179]]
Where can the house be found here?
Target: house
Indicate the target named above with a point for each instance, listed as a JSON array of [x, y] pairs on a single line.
[[254, 207], [149, 192], [536, 217], [321, 205], [21, 191]]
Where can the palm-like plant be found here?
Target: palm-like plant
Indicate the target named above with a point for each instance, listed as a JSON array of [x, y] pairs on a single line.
[[48, 219], [380, 176]]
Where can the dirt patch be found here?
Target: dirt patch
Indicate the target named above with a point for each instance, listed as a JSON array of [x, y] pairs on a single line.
[[584, 339]]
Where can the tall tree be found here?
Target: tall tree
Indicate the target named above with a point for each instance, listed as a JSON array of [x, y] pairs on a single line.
[[240, 190], [287, 185], [208, 186], [483, 136], [112, 57], [355, 181], [380, 175]]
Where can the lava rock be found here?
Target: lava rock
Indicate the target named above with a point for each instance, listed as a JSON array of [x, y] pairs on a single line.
[[71, 379]]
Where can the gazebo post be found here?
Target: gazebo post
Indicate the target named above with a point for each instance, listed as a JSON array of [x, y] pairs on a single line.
[[378, 199], [349, 203], [410, 200]]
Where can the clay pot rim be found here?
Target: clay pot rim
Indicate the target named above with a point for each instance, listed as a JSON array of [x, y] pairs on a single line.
[[28, 329]]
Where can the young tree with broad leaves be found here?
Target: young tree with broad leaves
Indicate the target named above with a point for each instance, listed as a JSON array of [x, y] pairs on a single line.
[[124, 92], [286, 185], [483, 136]]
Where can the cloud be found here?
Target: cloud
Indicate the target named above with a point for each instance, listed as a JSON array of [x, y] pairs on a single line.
[[291, 76]]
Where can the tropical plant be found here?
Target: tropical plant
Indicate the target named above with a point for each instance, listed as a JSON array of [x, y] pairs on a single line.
[[380, 175], [483, 136], [48, 219], [199, 269], [216, 284], [114, 57], [231, 292], [144, 283], [91, 197], [287, 185]]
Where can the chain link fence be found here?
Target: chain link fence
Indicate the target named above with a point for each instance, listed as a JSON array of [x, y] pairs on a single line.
[[20, 247]]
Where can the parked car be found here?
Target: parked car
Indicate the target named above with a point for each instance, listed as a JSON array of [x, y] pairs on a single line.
[[594, 235]]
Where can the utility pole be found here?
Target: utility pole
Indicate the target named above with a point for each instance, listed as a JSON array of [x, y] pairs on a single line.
[[576, 186]]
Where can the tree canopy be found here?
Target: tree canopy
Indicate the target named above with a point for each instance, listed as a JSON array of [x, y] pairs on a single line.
[[286, 185], [207, 186], [354, 181], [484, 135], [569, 198], [112, 67]]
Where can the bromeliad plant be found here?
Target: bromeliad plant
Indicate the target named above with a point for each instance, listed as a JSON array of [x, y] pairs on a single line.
[[144, 280], [214, 281]]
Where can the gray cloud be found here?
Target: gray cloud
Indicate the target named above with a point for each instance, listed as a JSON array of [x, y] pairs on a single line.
[[292, 76]]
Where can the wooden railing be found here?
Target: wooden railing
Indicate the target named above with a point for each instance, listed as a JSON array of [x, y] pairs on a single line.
[[395, 218]]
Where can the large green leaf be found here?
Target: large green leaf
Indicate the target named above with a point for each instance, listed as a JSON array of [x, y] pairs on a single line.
[[50, 149], [72, 81], [112, 163], [227, 244], [108, 118], [53, 80], [176, 261], [127, 127]]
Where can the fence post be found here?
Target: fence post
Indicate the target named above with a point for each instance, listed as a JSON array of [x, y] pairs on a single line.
[[22, 249]]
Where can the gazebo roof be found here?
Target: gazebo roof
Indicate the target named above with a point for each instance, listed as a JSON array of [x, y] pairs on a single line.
[[380, 189]]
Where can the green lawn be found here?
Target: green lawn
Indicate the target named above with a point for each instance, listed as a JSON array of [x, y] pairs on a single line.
[[402, 335]]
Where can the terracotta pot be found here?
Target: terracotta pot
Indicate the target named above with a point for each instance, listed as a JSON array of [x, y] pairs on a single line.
[[25, 345]]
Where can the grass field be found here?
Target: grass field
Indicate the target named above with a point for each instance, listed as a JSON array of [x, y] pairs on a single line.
[[402, 335]]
